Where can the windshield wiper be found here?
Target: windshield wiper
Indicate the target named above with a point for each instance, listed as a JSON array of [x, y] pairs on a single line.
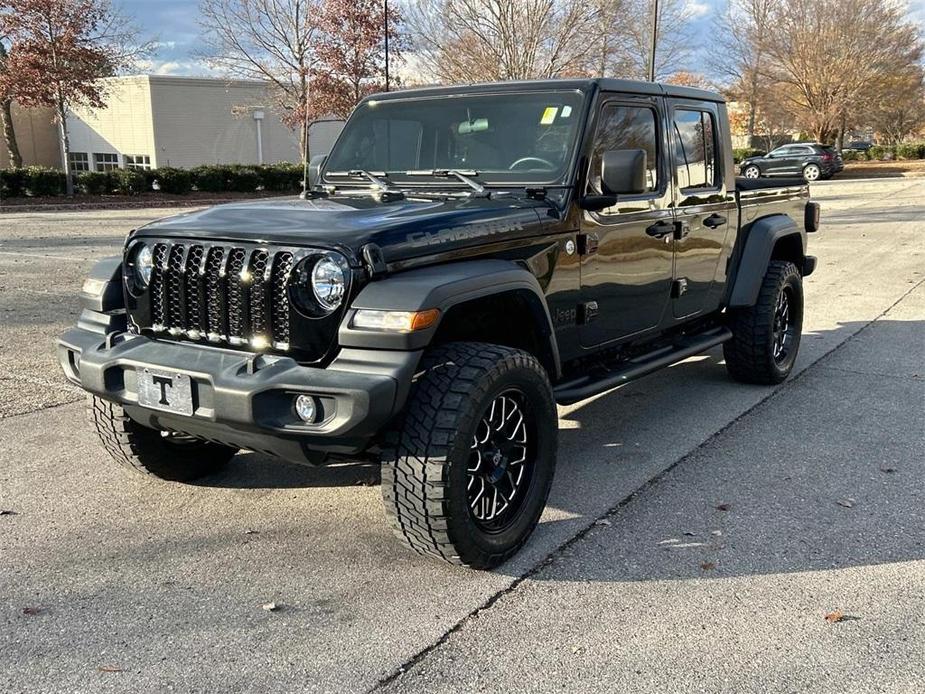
[[478, 190], [379, 184]]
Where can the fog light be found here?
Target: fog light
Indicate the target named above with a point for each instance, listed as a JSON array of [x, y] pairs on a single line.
[[305, 408]]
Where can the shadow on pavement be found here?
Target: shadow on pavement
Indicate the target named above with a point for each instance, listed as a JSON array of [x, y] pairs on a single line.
[[818, 476]]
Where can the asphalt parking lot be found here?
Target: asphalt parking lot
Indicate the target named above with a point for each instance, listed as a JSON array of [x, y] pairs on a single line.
[[698, 533]]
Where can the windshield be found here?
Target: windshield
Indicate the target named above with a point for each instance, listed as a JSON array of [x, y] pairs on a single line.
[[504, 139]]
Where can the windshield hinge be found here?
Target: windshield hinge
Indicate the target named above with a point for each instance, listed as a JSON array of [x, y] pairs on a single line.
[[375, 261]]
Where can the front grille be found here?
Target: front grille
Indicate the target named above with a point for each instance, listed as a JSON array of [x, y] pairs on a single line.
[[222, 294]]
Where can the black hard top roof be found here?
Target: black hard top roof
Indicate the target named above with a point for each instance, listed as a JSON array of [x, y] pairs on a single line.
[[603, 83]]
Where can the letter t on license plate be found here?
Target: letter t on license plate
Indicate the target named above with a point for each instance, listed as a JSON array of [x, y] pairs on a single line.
[[167, 391]]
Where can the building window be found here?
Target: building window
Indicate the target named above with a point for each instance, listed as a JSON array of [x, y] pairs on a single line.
[[79, 161], [105, 161], [137, 161]]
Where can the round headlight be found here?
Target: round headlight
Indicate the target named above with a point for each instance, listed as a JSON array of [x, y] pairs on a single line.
[[329, 282], [143, 264]]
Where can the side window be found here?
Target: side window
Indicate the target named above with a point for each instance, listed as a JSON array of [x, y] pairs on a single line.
[[626, 127], [695, 149]]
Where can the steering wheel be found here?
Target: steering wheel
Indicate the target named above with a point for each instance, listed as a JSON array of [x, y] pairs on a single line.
[[523, 160]]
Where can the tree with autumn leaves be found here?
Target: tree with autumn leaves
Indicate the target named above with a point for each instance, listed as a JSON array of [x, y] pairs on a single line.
[[56, 51], [319, 57]]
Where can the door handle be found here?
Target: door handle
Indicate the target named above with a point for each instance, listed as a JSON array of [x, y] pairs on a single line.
[[714, 220], [660, 229]]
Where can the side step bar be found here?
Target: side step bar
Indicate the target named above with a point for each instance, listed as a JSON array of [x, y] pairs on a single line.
[[576, 389]]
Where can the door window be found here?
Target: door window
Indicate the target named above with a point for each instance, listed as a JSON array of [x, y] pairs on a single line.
[[695, 149], [626, 127]]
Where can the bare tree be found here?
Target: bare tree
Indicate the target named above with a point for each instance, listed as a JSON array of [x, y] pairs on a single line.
[[742, 29], [896, 110], [632, 39], [269, 40], [485, 40], [828, 54]]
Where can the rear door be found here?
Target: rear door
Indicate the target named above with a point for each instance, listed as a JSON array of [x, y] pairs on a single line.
[[626, 260], [704, 203]]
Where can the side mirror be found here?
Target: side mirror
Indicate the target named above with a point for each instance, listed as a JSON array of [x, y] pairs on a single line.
[[623, 172], [314, 168]]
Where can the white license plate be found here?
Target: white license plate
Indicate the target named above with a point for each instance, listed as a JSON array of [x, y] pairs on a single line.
[[168, 391]]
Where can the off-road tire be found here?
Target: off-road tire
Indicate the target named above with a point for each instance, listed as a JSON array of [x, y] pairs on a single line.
[[750, 353], [147, 451], [426, 454]]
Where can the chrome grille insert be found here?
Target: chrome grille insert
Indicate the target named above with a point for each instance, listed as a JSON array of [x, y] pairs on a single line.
[[222, 293]]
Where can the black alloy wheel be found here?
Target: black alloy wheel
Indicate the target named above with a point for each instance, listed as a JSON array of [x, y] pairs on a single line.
[[501, 461]]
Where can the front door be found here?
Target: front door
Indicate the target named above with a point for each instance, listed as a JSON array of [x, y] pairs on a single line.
[[627, 249], [705, 204], [782, 161]]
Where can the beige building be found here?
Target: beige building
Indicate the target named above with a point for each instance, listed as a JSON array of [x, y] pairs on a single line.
[[154, 120], [37, 137]]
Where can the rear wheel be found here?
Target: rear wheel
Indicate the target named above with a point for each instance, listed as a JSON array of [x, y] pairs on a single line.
[[766, 336], [467, 472], [812, 172], [161, 454]]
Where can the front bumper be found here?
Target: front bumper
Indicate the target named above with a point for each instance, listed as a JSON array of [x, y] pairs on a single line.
[[246, 400]]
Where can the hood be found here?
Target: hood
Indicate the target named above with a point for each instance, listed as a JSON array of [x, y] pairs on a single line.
[[402, 229]]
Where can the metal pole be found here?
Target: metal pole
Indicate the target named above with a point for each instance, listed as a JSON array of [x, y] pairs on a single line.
[[654, 40], [387, 45]]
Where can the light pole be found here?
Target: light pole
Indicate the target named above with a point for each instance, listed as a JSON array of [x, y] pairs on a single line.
[[387, 45], [654, 40]]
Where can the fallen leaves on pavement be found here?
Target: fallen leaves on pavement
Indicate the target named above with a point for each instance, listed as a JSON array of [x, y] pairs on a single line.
[[270, 606], [847, 503], [723, 507], [708, 566], [33, 610]]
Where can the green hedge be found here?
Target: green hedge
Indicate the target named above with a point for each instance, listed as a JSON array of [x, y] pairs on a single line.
[[911, 150], [128, 181], [740, 153], [173, 181], [281, 178], [881, 152], [12, 183], [94, 182], [852, 155]]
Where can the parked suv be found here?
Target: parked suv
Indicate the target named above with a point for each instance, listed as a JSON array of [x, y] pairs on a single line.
[[467, 259], [810, 160]]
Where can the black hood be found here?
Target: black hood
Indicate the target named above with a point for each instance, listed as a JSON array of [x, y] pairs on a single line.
[[402, 229]]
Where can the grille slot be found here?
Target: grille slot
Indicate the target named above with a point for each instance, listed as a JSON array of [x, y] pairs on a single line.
[[279, 300], [226, 294]]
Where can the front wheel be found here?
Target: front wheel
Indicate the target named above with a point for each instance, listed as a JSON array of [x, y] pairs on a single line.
[[766, 336], [467, 471], [751, 172], [161, 454]]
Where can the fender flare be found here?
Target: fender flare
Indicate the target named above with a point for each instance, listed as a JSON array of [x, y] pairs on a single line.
[[760, 238], [443, 287], [102, 290]]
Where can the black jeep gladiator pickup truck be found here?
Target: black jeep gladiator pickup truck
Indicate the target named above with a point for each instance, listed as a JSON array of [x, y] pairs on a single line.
[[465, 259]]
